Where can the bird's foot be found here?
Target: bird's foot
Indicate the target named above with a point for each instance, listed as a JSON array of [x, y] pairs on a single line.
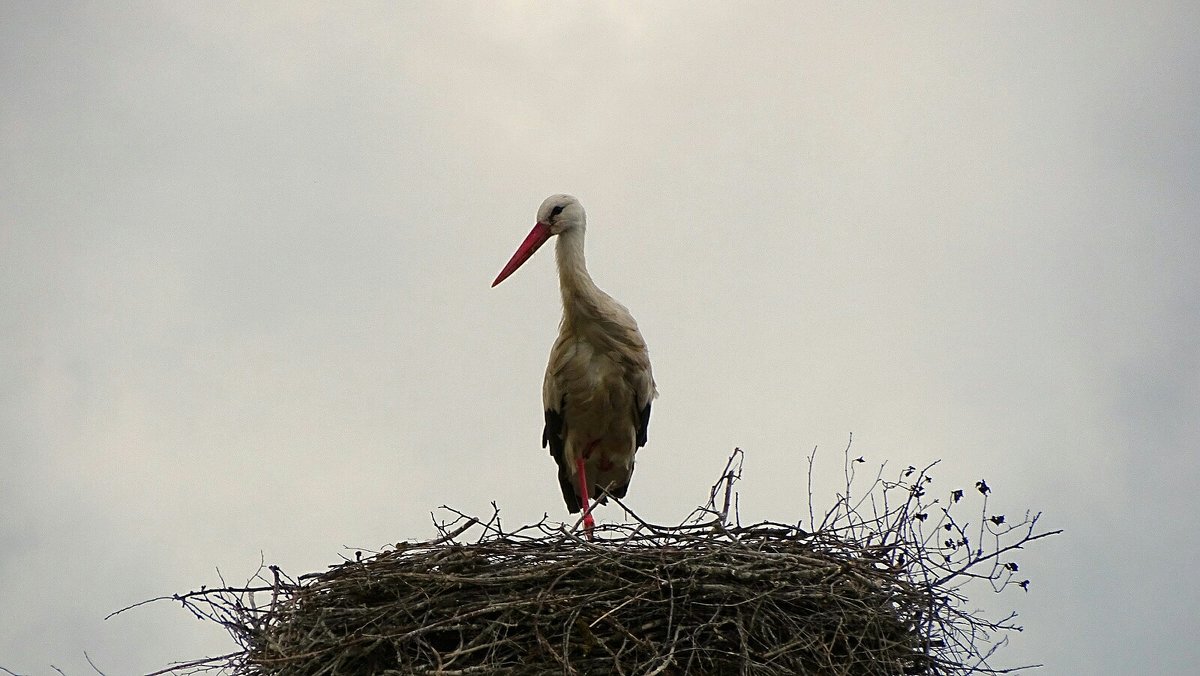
[[588, 524]]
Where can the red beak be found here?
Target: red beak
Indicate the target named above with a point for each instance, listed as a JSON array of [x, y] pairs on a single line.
[[535, 239]]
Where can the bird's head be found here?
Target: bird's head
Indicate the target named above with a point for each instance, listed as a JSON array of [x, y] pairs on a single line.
[[558, 214], [561, 213]]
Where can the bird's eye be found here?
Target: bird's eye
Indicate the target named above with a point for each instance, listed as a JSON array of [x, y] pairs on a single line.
[[556, 211]]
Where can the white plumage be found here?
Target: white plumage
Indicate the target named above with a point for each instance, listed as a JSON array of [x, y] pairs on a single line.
[[599, 384]]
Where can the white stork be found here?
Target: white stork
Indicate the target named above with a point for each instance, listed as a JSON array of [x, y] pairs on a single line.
[[598, 385]]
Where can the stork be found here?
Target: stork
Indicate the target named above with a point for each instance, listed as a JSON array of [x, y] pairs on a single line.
[[598, 384]]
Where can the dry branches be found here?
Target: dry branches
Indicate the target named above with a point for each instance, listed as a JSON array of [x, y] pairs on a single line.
[[875, 589]]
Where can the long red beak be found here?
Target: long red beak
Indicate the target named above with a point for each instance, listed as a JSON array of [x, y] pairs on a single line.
[[535, 239]]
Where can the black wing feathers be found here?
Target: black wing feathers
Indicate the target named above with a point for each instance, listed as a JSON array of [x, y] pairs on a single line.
[[553, 434], [643, 426], [555, 437]]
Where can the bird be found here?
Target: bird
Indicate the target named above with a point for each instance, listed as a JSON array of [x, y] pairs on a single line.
[[599, 384]]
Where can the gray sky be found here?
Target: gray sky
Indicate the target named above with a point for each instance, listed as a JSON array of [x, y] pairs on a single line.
[[245, 256]]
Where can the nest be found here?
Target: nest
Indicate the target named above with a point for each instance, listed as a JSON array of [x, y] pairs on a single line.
[[859, 594]]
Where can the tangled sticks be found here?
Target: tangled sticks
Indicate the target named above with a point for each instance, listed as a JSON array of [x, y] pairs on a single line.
[[863, 593]]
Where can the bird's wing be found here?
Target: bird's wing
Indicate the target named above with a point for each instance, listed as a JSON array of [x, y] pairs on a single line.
[[641, 379], [554, 435], [629, 347], [643, 425]]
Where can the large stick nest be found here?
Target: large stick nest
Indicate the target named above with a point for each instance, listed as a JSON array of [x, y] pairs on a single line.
[[859, 594]]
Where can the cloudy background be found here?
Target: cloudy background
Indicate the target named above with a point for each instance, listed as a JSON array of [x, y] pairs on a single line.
[[245, 256]]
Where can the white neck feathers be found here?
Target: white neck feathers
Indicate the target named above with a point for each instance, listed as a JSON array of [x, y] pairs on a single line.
[[573, 277]]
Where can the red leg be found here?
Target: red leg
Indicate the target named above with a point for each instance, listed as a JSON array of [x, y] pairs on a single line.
[[588, 522]]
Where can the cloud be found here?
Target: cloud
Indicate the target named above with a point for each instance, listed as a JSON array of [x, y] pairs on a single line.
[[244, 301]]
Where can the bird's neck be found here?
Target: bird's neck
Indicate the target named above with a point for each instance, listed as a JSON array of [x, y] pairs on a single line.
[[573, 277]]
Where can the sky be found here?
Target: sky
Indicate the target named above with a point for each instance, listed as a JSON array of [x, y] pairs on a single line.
[[246, 315]]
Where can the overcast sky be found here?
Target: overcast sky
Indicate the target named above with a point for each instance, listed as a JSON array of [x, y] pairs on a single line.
[[245, 256]]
